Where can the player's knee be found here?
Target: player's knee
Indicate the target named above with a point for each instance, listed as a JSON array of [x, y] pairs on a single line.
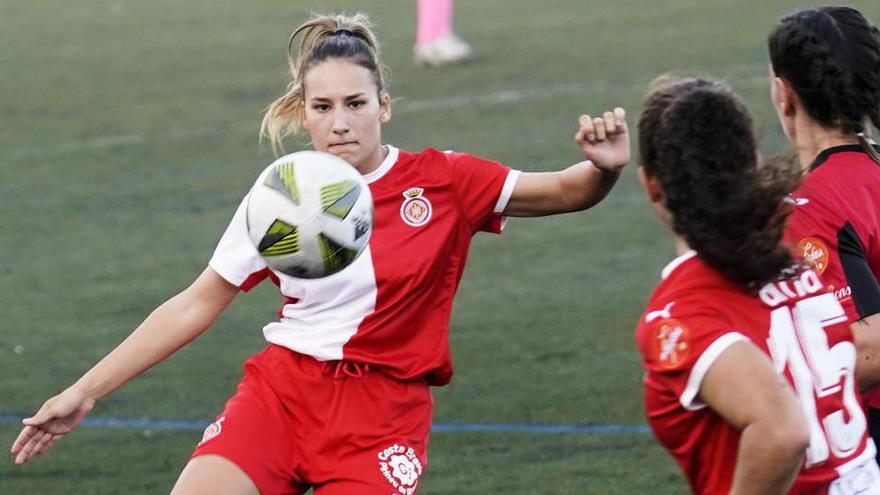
[[213, 475]]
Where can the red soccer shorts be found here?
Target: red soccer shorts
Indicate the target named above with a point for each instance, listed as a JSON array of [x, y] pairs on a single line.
[[339, 427]]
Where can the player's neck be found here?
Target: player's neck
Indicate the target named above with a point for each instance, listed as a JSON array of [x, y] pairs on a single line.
[[375, 160], [681, 246], [813, 139]]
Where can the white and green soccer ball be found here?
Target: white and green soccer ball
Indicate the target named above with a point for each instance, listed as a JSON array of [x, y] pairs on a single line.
[[310, 214]]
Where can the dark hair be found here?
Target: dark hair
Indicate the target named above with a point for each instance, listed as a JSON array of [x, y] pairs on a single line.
[[831, 57], [696, 139], [321, 38]]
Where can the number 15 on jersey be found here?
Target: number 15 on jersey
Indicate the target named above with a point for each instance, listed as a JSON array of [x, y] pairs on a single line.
[[823, 375]]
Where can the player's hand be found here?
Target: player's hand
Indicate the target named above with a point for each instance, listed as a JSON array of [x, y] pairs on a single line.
[[57, 417], [604, 140]]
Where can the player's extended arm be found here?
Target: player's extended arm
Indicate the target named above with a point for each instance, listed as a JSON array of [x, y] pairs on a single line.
[[605, 143], [744, 388], [866, 333], [169, 327]]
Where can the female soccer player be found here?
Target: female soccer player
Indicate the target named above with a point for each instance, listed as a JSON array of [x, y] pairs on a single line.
[[826, 90], [749, 361], [339, 400]]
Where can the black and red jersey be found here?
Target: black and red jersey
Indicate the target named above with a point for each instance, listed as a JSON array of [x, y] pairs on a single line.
[[836, 228]]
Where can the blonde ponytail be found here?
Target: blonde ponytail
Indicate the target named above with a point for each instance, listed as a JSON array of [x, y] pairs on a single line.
[[318, 39]]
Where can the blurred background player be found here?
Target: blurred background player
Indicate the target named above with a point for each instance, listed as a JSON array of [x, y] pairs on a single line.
[[340, 401], [436, 42], [826, 91], [749, 360]]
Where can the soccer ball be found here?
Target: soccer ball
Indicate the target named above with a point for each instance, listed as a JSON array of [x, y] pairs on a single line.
[[310, 214]]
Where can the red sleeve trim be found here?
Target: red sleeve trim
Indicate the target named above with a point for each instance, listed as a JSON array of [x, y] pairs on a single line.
[[255, 278]]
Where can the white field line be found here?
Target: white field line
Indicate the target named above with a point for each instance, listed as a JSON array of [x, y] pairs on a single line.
[[401, 106]]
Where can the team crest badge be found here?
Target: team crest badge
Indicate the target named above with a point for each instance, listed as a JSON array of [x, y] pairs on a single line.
[[416, 209], [670, 344], [213, 430], [401, 466], [814, 252]]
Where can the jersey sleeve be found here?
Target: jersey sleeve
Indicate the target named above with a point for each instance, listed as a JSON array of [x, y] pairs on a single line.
[[838, 255], [863, 285], [483, 188], [235, 258], [677, 352]]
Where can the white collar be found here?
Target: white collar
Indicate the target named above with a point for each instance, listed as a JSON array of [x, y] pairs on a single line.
[[384, 167], [676, 262]]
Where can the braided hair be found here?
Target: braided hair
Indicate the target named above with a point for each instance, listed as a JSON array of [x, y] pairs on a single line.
[[696, 139], [831, 57]]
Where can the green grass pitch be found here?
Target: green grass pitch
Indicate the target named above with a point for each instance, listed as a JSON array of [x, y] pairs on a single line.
[[129, 135]]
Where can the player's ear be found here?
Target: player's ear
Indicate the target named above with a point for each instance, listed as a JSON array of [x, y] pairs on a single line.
[[784, 96], [384, 107], [650, 185]]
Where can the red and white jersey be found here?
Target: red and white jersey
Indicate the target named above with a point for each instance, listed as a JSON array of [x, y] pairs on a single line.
[[835, 227], [694, 315], [391, 307]]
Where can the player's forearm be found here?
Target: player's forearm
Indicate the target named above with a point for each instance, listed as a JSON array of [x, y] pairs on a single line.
[[576, 188], [769, 458], [584, 185], [168, 328]]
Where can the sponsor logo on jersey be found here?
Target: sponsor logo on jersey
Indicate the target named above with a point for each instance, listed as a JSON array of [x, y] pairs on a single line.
[[416, 209], [213, 430], [814, 252], [843, 293], [783, 291], [670, 343], [401, 466]]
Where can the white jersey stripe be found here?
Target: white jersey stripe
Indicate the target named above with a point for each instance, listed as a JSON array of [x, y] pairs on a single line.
[[328, 311]]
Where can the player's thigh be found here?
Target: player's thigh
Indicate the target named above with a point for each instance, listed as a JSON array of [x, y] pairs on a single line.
[[353, 487], [254, 433], [213, 475]]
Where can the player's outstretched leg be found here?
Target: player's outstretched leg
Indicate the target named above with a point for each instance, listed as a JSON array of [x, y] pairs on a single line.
[[214, 475]]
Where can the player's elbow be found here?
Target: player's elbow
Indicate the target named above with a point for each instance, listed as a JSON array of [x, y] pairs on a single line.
[[795, 438], [191, 312], [780, 428], [787, 436]]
